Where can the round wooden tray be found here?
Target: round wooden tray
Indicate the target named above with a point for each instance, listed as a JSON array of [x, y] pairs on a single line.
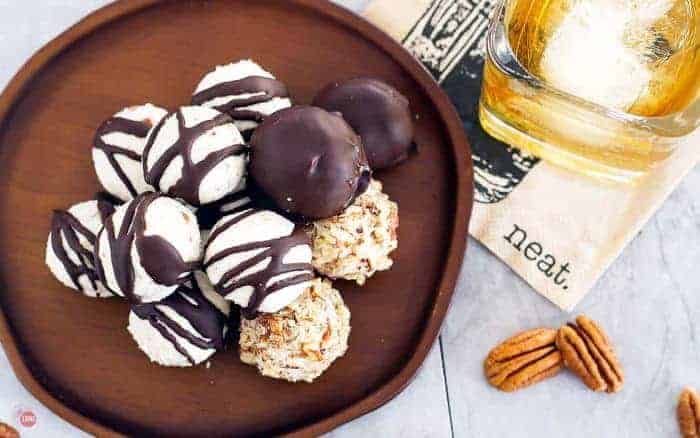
[[74, 353]]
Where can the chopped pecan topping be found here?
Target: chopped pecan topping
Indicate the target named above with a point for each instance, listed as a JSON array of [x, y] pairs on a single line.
[[587, 351], [523, 360], [7, 431], [689, 413]]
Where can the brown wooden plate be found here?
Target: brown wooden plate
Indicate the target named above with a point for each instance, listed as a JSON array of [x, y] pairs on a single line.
[[74, 353]]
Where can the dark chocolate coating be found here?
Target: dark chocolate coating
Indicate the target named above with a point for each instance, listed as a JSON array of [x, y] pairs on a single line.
[[208, 215], [378, 112], [309, 161], [66, 226], [254, 85], [189, 303], [275, 250], [127, 126], [159, 258], [249, 197], [187, 187]]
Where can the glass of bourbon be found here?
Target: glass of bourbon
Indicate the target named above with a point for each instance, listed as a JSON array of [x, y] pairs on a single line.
[[607, 88]]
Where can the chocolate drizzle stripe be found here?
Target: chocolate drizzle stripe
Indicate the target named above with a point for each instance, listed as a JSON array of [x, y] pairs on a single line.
[[229, 223], [187, 187], [159, 258], [247, 115], [263, 90], [162, 328], [208, 215], [122, 125], [65, 225], [105, 205], [207, 320], [275, 250]]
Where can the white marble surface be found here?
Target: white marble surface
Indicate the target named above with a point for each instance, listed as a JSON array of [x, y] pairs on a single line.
[[649, 301]]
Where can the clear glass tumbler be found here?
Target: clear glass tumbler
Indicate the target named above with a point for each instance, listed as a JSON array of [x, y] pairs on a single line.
[[603, 87]]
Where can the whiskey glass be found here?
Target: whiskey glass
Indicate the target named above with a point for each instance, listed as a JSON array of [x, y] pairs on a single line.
[[522, 106]]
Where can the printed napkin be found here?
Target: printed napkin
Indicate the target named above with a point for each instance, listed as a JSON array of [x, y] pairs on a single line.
[[559, 231]]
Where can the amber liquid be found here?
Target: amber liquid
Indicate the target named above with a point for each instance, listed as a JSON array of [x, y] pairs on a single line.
[[555, 128]]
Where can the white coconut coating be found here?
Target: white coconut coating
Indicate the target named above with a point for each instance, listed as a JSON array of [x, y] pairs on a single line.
[[226, 177], [234, 72], [205, 285], [164, 217], [158, 348], [235, 205], [263, 227], [301, 341], [133, 169], [157, 327], [88, 215]]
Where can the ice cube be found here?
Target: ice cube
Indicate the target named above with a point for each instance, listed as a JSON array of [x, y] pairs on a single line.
[[599, 51]]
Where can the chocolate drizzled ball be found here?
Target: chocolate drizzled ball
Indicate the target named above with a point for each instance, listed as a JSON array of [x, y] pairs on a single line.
[[243, 90], [207, 289], [117, 150], [182, 330], [70, 250], [148, 248], [196, 154], [259, 260], [377, 112], [309, 161], [208, 215]]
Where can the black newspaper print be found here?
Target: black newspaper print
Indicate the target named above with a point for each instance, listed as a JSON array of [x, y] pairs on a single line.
[[449, 39]]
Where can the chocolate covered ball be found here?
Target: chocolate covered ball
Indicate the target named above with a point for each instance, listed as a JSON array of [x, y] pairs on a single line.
[[378, 112], [309, 162]]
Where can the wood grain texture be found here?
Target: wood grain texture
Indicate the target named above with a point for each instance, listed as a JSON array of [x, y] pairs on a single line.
[[421, 409], [69, 345]]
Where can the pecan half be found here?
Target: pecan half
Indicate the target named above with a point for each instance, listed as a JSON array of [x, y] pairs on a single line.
[[523, 360], [587, 351], [689, 413], [7, 431]]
